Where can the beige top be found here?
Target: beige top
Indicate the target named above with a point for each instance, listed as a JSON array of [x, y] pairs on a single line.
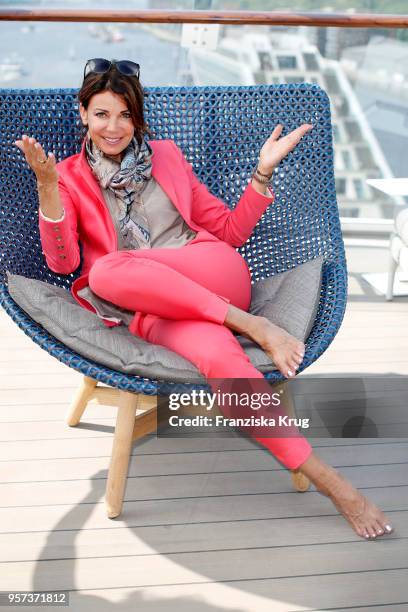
[[167, 230], [167, 227]]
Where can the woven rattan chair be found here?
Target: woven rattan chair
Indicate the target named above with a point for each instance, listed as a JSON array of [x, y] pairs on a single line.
[[220, 130]]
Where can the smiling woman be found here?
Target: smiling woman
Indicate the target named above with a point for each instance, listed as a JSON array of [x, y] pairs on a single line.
[[159, 253], [108, 87], [109, 123]]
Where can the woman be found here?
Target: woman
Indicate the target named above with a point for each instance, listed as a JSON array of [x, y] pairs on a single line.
[[158, 252]]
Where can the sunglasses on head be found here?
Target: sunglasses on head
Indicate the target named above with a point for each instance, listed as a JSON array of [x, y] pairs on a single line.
[[99, 65]]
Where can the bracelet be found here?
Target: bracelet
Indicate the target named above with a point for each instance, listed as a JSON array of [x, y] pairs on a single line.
[[263, 181], [268, 176]]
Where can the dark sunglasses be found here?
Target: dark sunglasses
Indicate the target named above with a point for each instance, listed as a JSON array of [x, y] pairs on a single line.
[[99, 65]]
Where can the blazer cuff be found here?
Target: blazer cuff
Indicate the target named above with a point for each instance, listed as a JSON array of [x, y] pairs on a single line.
[[49, 219], [269, 193]]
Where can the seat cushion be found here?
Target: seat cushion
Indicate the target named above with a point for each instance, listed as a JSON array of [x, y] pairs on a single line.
[[289, 299]]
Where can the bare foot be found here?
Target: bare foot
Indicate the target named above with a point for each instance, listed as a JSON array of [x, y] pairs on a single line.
[[367, 520], [286, 351]]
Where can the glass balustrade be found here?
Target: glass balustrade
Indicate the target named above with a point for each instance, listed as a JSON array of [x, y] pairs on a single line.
[[363, 70]]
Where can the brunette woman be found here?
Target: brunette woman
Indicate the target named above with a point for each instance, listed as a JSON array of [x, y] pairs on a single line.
[[159, 252]]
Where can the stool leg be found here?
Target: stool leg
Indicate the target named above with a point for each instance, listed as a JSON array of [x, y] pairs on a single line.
[[122, 445], [79, 403], [300, 482]]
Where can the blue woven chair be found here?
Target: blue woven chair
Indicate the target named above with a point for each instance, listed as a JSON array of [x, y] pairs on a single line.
[[220, 130]]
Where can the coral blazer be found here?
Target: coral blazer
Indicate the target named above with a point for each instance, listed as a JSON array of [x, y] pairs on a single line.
[[87, 218]]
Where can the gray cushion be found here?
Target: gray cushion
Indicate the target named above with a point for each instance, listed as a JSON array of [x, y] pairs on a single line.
[[289, 299]]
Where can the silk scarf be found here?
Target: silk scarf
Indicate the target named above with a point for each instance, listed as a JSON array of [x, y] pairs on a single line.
[[126, 180]]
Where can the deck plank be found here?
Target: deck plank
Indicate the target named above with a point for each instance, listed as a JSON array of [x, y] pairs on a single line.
[[238, 507], [75, 475], [271, 533], [221, 565]]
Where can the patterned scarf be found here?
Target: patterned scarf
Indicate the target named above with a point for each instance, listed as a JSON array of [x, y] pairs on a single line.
[[126, 180]]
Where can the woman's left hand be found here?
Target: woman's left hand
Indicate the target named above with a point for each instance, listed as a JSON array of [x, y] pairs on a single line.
[[275, 148]]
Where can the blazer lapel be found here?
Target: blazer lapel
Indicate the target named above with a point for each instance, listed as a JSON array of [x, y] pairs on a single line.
[[85, 173], [163, 173]]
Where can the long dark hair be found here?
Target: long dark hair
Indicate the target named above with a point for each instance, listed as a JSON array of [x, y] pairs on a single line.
[[129, 87]]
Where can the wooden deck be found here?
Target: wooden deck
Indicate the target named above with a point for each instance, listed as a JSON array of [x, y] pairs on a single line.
[[207, 524]]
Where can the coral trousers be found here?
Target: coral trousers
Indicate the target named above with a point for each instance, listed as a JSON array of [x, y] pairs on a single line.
[[180, 297]]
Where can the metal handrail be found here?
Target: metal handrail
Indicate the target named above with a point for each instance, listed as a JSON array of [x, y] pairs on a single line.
[[348, 20]]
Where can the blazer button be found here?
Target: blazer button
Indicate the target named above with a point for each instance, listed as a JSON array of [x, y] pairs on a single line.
[[59, 238], [60, 246], [56, 228], [62, 257]]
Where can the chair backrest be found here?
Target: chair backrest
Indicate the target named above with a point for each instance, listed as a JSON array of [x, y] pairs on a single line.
[[220, 130]]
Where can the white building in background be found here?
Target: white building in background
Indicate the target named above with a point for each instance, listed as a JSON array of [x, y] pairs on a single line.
[[255, 58], [379, 75], [382, 63]]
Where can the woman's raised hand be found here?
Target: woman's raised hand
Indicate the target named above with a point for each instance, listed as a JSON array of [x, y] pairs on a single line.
[[43, 166], [275, 149]]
